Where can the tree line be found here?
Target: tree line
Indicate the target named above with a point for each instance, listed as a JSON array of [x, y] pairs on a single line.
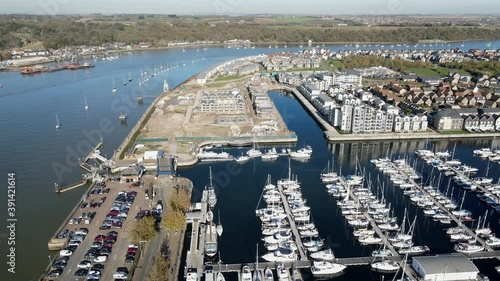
[[58, 33]]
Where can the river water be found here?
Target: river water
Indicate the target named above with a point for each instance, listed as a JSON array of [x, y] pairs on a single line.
[[41, 156]]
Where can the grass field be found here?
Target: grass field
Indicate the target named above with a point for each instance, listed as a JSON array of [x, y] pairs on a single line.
[[337, 64], [422, 71], [227, 78], [435, 71]]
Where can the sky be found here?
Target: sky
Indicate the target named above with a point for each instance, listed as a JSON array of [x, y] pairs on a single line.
[[234, 7]]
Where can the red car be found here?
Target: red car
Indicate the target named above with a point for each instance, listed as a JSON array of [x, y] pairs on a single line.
[[100, 238], [131, 250]]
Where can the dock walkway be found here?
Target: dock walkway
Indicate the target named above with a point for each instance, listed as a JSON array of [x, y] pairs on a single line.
[[442, 208], [195, 254], [293, 226]]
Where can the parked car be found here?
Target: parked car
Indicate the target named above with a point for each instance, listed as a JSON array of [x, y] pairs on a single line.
[[92, 253], [101, 258], [97, 267], [55, 273], [121, 273], [85, 264], [65, 253], [74, 243], [82, 230], [81, 272]]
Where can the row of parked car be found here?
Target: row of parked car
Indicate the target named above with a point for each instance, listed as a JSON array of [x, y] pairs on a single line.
[[119, 211], [60, 263]]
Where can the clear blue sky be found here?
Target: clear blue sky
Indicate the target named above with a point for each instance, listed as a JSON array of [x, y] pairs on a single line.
[[324, 7]]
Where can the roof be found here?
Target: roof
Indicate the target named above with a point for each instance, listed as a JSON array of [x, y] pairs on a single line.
[[452, 263]]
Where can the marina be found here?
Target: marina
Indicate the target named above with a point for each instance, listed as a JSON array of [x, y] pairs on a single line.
[[52, 147]]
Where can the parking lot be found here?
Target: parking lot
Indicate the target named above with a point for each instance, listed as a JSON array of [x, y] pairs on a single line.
[[105, 217]]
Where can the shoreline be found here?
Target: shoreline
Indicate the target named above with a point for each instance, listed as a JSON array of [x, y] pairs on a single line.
[[238, 44]]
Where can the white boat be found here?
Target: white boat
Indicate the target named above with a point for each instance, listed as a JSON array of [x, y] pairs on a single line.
[[192, 275], [282, 273], [220, 277], [246, 274], [324, 268], [268, 274], [86, 105], [296, 275], [328, 176], [369, 240], [493, 242], [211, 240], [114, 90], [385, 266], [468, 248], [281, 255], [325, 255], [270, 155], [414, 250], [254, 153], [242, 159], [300, 154], [58, 124]]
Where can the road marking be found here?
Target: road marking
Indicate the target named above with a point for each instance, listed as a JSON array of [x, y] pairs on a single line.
[[115, 257], [69, 270]]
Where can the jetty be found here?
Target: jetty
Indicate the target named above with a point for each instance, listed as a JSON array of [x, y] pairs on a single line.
[[444, 209], [197, 217], [293, 226]]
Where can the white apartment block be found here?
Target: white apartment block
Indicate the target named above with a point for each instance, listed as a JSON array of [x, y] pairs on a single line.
[[225, 102]]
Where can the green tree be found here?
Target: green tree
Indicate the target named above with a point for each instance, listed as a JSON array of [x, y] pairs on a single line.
[[143, 230], [159, 269]]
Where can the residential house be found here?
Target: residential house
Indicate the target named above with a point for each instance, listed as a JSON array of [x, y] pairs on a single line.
[[448, 120]]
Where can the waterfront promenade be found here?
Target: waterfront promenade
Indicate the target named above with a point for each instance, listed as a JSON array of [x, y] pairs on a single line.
[[333, 135]]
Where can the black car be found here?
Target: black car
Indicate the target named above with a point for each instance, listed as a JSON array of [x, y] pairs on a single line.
[[97, 267], [113, 233], [92, 253], [105, 251], [130, 255], [129, 260], [60, 265], [62, 259], [81, 272]]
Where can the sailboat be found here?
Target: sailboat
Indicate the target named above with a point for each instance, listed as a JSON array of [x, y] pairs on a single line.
[[129, 77], [219, 227], [58, 124], [268, 274], [86, 105], [257, 274], [124, 81], [254, 152], [210, 237], [212, 197], [114, 90], [328, 176]]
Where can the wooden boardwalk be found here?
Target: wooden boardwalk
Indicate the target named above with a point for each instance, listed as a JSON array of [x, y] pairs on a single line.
[[293, 226]]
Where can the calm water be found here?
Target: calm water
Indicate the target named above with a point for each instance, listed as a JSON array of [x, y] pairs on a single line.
[[41, 156]]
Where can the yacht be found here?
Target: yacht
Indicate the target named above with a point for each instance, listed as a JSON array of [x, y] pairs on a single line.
[[493, 242], [468, 248], [370, 240], [192, 275], [324, 268], [300, 154], [281, 255], [414, 250], [254, 153], [325, 255], [211, 240], [270, 154], [385, 266], [242, 159], [246, 274]]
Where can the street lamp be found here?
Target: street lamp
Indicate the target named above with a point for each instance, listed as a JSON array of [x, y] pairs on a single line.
[[50, 259]]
